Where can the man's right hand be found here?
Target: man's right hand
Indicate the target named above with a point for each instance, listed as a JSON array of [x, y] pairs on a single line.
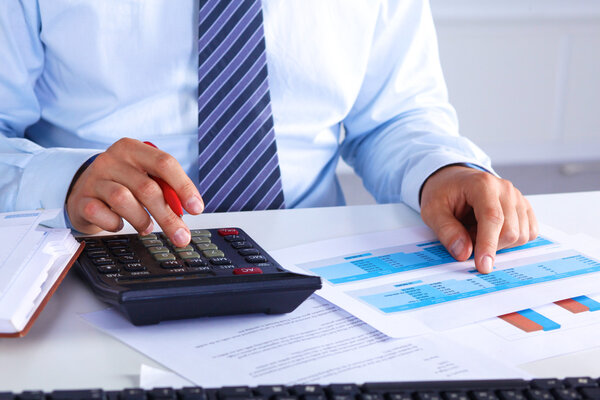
[[117, 185]]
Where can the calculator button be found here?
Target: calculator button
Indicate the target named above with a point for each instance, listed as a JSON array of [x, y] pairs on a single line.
[[163, 256], [241, 245], [114, 242], [150, 236], [200, 239], [247, 271], [128, 259], [213, 253], [248, 252], [256, 259], [102, 261], [158, 249], [195, 263], [97, 253], [134, 267], [234, 238], [181, 249], [170, 264], [207, 246], [122, 252], [228, 231], [107, 269], [188, 254], [263, 265], [220, 261], [152, 242], [200, 233], [92, 244]]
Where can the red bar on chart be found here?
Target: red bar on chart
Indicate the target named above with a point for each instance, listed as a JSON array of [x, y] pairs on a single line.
[[573, 306], [521, 322]]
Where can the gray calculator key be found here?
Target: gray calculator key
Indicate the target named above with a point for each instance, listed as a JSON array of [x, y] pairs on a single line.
[[200, 232], [207, 246], [152, 242], [158, 249], [181, 249], [164, 256], [213, 253], [200, 239], [185, 255]]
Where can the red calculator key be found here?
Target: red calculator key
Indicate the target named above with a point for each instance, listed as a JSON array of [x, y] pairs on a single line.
[[247, 271], [228, 231]]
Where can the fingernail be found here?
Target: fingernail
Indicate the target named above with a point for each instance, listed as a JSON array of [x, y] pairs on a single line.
[[148, 229], [195, 205], [121, 225], [487, 264], [181, 237], [457, 247]]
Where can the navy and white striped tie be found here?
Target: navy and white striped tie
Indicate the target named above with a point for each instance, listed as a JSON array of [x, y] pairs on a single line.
[[238, 164]]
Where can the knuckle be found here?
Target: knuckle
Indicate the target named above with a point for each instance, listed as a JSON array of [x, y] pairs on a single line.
[[90, 210], [511, 235], [494, 215], [165, 162], [147, 189], [119, 196]]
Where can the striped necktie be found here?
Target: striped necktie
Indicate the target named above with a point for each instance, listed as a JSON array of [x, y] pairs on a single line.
[[238, 164]]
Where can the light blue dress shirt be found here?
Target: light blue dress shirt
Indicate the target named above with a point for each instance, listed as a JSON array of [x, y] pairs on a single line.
[[77, 75]]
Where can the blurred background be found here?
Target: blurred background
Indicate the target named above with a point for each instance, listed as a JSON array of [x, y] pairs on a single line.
[[524, 77]]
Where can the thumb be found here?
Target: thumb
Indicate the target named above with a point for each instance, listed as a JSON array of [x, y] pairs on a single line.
[[451, 232]]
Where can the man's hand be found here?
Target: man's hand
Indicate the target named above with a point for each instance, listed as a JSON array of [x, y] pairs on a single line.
[[117, 185], [466, 207]]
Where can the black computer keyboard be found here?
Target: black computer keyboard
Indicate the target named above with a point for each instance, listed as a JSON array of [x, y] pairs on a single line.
[[536, 389]]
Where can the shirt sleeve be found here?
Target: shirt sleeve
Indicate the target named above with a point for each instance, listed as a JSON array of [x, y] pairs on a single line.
[[31, 176], [402, 127]]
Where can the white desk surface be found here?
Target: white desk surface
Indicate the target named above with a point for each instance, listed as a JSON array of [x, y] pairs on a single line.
[[62, 351]]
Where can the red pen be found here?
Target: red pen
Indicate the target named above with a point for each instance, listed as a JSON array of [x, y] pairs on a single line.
[[168, 192]]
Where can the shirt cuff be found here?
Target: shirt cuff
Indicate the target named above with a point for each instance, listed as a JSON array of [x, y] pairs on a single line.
[[418, 175], [47, 178]]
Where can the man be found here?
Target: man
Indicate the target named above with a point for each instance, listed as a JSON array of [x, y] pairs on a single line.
[[78, 77]]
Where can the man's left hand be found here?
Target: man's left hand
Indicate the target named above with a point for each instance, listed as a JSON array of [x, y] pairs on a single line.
[[468, 208]]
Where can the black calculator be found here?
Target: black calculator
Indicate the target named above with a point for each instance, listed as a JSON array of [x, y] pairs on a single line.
[[221, 272]]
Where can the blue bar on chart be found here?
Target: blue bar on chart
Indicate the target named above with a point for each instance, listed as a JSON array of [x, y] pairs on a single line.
[[405, 258], [592, 304], [546, 323], [402, 298]]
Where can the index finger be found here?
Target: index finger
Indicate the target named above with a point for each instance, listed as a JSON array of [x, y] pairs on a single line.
[[168, 173], [490, 219]]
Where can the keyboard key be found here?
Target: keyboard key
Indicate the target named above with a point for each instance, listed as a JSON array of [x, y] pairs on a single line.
[[483, 395], [566, 394], [150, 236], [256, 259], [195, 263], [338, 388], [152, 243], [241, 245], [427, 395], [228, 231], [580, 382], [207, 246], [7, 396], [122, 252], [134, 267], [455, 396], [182, 249], [248, 252], [546, 383], [192, 393], [200, 233], [272, 390], [132, 394], [365, 396], [301, 390], [200, 239], [94, 394], [187, 255], [399, 396], [128, 259], [511, 395], [247, 271], [116, 241], [158, 249], [32, 395], [107, 269], [591, 393], [171, 264], [220, 261], [539, 394], [164, 257], [103, 261], [162, 394], [213, 253], [97, 253], [235, 391], [234, 238]]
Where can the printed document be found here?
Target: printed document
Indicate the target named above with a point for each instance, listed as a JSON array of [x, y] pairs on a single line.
[[405, 283], [317, 343]]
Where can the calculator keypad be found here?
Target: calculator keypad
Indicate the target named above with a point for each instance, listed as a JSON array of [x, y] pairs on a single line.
[[211, 252]]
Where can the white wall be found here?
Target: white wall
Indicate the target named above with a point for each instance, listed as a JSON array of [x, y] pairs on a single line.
[[524, 76]]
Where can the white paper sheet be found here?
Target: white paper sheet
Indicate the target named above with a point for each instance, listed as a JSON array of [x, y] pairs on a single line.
[[151, 378], [404, 283], [317, 343]]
